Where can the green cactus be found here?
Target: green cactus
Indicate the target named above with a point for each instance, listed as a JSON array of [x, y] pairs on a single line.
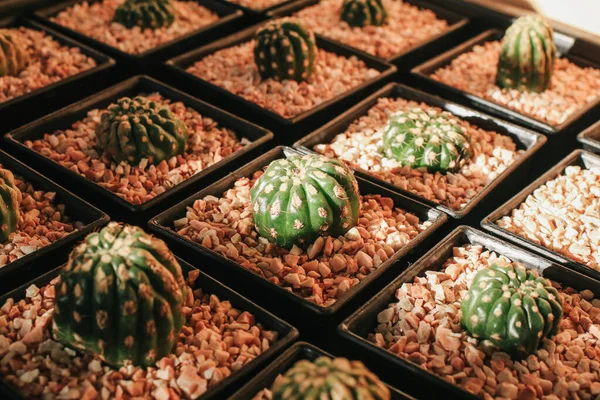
[[150, 14], [419, 138], [302, 197], [285, 49], [329, 379], [361, 13], [120, 297], [14, 57], [527, 57], [512, 307], [9, 204], [133, 129]]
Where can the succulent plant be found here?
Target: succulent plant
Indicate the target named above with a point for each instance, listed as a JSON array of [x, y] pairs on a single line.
[[150, 14], [13, 53], [512, 307], [360, 13], [419, 138], [285, 49], [300, 198], [133, 129], [527, 57], [9, 204], [327, 378], [120, 297]]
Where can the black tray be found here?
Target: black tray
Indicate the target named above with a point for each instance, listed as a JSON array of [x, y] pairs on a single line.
[[287, 333], [525, 139], [65, 117], [299, 351], [578, 157], [590, 138], [356, 328]]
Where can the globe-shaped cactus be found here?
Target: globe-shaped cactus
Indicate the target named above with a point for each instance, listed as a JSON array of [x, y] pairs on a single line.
[[327, 378], [285, 49], [512, 307], [120, 297], [150, 14], [133, 129], [419, 138], [14, 57], [360, 13], [9, 204], [527, 57], [302, 197]]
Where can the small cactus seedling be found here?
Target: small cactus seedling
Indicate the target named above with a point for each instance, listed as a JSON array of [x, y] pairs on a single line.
[[9, 204], [147, 14], [14, 57], [361, 13]]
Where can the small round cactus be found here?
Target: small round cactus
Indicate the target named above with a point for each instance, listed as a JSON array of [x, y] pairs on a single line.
[[302, 197], [361, 13], [285, 49], [120, 297], [150, 14], [14, 57], [512, 307], [133, 129], [9, 204], [419, 138], [527, 57], [327, 378]]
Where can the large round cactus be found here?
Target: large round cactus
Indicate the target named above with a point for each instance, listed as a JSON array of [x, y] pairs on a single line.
[[527, 57], [13, 53], [120, 297], [301, 197], [360, 13], [9, 204], [285, 49], [150, 14], [419, 138], [512, 307], [327, 378], [133, 129]]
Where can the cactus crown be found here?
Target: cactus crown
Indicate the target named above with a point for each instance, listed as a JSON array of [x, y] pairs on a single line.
[[285, 49], [133, 129], [150, 14], [361, 13], [10, 202], [14, 57], [512, 307]]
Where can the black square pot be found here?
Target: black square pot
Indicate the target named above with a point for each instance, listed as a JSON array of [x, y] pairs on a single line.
[[590, 138]]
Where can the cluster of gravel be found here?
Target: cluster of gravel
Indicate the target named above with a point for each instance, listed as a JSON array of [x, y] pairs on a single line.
[[257, 4], [94, 19], [75, 149], [360, 145], [424, 327], [216, 341], [234, 69], [50, 62], [573, 87], [407, 26]]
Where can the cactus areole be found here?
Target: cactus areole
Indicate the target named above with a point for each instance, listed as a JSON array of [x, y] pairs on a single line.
[[14, 57], [361, 13], [147, 14], [10, 202], [512, 307], [120, 297], [301, 198]]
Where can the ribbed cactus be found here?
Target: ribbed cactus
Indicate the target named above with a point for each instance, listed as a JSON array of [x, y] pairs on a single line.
[[285, 49], [13, 53], [302, 197], [327, 378], [9, 205], [120, 297], [527, 57], [419, 138], [360, 13], [512, 307], [150, 14], [133, 129]]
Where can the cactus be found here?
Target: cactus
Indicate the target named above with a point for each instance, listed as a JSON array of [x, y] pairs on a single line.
[[9, 204], [120, 297], [14, 57], [327, 378], [133, 129], [302, 197], [512, 307], [284, 49], [150, 14], [361, 13], [419, 138], [527, 57]]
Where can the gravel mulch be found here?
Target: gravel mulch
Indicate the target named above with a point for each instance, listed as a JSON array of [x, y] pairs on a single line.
[[359, 147], [573, 87], [234, 69], [94, 19], [424, 327], [257, 4], [407, 26], [50, 62], [75, 149]]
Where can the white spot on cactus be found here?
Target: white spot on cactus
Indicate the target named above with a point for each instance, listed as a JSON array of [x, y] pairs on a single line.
[[273, 233], [512, 275], [268, 188], [498, 312], [340, 170], [320, 174], [298, 224], [77, 291], [345, 211], [296, 201], [486, 299], [296, 182], [283, 187], [401, 138], [256, 207], [150, 327], [535, 309], [312, 190], [324, 227], [322, 212], [284, 178], [419, 142], [339, 191], [101, 319], [275, 209], [474, 319], [129, 341], [129, 307], [482, 285], [518, 324], [518, 303], [506, 295], [495, 336], [76, 317]]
